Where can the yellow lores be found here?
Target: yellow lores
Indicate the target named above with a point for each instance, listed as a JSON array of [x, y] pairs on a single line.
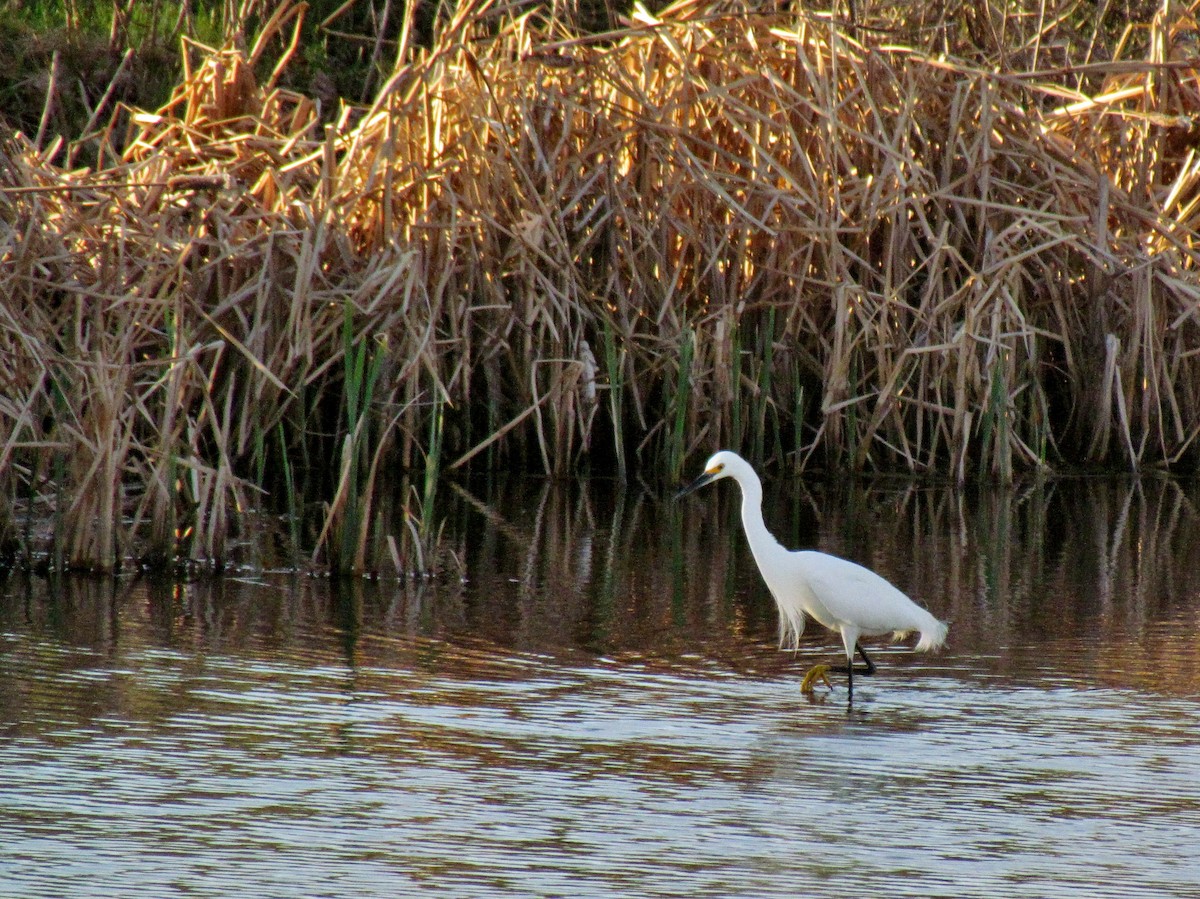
[[839, 594]]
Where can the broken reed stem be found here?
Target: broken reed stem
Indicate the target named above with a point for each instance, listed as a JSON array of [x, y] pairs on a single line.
[[778, 246]]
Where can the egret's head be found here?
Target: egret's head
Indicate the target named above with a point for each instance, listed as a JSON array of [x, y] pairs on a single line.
[[721, 465]]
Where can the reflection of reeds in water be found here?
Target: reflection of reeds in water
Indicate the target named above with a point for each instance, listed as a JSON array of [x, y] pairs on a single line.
[[777, 237], [1087, 580]]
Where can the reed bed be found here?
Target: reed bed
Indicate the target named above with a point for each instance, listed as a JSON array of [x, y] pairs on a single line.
[[791, 235]]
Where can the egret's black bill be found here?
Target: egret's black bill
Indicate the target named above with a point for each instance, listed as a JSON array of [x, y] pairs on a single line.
[[696, 484]]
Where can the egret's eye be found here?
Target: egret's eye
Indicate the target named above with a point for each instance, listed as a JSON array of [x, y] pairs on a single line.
[[717, 469]]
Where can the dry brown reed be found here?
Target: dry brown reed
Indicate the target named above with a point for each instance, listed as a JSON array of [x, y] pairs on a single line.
[[821, 241]]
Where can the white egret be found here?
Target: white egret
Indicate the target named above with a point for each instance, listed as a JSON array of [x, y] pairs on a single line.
[[839, 594]]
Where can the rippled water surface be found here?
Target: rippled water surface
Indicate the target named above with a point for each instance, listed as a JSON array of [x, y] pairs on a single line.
[[593, 706]]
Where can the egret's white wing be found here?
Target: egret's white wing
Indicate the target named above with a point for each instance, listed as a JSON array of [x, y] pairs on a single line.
[[856, 595]]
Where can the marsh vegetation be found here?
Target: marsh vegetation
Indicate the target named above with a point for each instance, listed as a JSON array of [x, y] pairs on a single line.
[[960, 245]]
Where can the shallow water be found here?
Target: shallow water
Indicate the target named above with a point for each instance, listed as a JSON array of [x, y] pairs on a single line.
[[597, 709]]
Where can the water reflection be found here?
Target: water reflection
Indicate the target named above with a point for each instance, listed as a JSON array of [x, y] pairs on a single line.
[[594, 705]]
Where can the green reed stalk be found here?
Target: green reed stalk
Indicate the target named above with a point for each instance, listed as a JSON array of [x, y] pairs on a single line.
[[994, 429], [433, 462], [26, 549], [798, 416], [735, 379], [362, 370], [679, 402], [494, 423], [614, 362], [58, 465], [851, 429], [763, 402], [1040, 420], [289, 492], [258, 459], [59, 477]]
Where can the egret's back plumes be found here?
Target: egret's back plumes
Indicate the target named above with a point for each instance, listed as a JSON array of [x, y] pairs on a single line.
[[933, 637]]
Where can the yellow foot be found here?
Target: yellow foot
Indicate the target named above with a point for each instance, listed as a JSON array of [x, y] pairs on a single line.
[[815, 673]]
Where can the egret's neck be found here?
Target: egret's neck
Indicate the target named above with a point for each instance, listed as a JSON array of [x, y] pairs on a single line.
[[757, 534]]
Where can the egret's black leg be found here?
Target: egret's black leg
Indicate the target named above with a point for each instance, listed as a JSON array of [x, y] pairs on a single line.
[[849, 670], [870, 669]]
